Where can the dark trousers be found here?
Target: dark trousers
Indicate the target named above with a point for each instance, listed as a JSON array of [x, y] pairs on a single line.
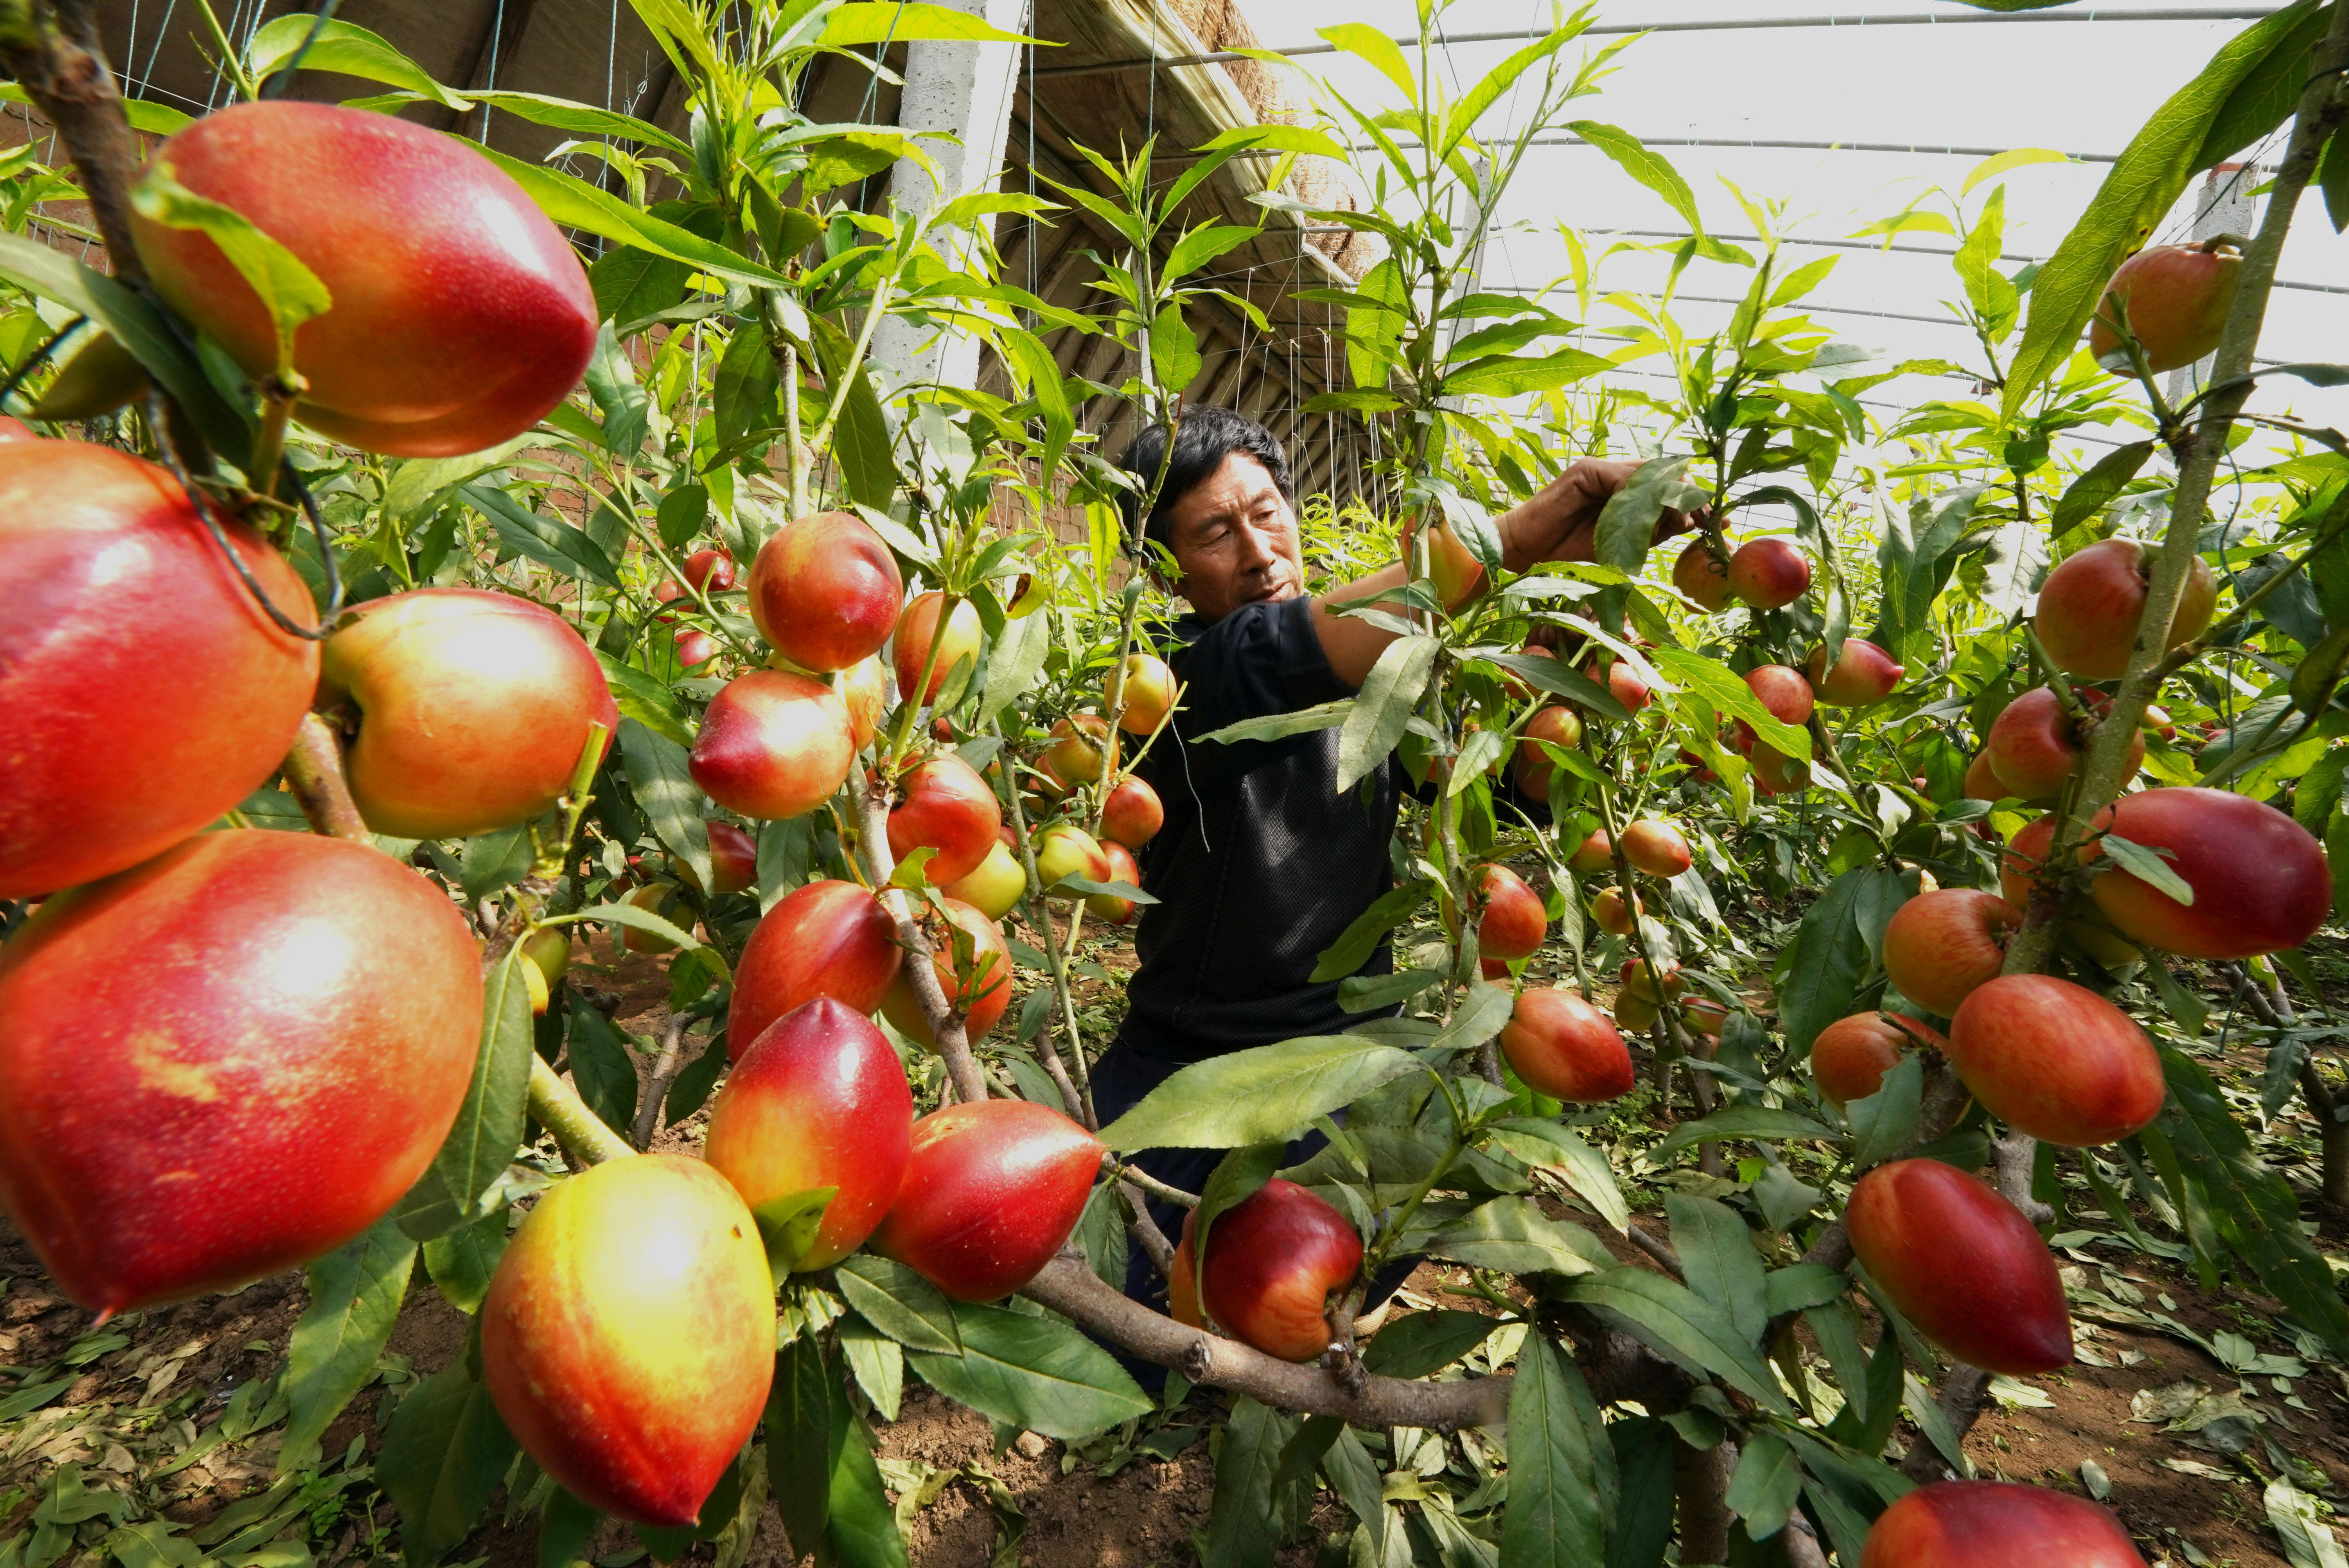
[[1119, 1079]]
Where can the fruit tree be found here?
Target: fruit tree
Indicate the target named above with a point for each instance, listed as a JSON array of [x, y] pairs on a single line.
[[1791, 923]]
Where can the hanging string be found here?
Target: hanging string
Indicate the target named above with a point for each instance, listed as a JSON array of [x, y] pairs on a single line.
[[497, 42]]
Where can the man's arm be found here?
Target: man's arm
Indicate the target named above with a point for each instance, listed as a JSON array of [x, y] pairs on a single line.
[[1560, 522]]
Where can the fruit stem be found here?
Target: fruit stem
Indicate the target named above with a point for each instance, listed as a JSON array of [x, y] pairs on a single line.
[[1136, 1176], [560, 1111], [277, 400], [575, 799], [314, 773]]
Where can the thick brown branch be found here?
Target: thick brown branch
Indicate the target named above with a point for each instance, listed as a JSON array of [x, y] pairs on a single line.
[[1069, 1287], [63, 69], [671, 1061]]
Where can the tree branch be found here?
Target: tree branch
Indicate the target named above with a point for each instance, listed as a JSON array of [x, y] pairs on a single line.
[[314, 773], [62, 69], [1070, 1287], [921, 973]]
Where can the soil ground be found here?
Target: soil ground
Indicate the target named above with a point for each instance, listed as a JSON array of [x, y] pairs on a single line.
[[2106, 1425]]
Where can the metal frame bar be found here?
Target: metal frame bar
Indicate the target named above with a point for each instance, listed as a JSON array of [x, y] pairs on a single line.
[[1896, 19]]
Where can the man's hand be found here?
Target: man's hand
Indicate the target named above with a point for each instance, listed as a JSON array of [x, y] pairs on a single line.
[[1561, 522]]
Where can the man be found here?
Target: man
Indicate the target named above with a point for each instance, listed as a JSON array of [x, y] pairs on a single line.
[[1262, 863]]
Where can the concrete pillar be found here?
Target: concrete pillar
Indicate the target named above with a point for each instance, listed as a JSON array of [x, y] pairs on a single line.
[[963, 88], [2223, 205]]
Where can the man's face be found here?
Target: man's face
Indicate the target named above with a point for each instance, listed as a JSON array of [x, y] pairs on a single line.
[[1235, 540]]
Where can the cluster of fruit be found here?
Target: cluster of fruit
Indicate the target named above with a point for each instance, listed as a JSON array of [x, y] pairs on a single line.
[[224, 1053]]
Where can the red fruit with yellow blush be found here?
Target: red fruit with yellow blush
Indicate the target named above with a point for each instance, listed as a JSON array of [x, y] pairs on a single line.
[[145, 692], [628, 1336], [1851, 1056], [2260, 880], [1656, 848], [461, 316], [917, 628], [991, 1189], [1768, 574], [1963, 1264], [1567, 1048], [470, 709], [826, 591], [772, 744], [824, 939], [818, 1101], [1996, 1525], [1274, 1261], [945, 807], [1941, 945], [1132, 814], [1514, 921], [227, 1061], [2056, 1060], [980, 997]]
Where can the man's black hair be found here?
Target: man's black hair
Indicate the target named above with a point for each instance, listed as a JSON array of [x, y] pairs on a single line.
[[1204, 437]]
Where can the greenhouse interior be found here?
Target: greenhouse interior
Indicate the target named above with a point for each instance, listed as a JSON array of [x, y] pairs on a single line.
[[1147, 783]]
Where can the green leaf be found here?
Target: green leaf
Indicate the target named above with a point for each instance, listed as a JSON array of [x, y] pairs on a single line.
[[1799, 1286], [579, 119], [1718, 1258], [904, 21], [347, 50], [2137, 195], [801, 1445], [787, 1226], [662, 782], [289, 291], [1363, 993], [2333, 179], [1241, 1529], [355, 1295], [2014, 158], [1512, 1235], [1831, 952], [1201, 245], [1563, 1154], [1359, 939], [1425, 1343], [1032, 1372], [1460, 120], [1373, 47], [1883, 1122], [1742, 1121], [1511, 375], [444, 1452], [898, 1302], [601, 1066], [2094, 490], [1726, 690], [565, 1524], [550, 542], [1383, 707], [1250, 1096], [1681, 1326], [2255, 1211], [2148, 866], [1281, 726], [1012, 665], [1647, 167], [1626, 524], [489, 1126], [462, 1263], [861, 441], [878, 1364], [1763, 1490], [1558, 680], [1175, 359], [573, 204], [647, 701], [1562, 1480]]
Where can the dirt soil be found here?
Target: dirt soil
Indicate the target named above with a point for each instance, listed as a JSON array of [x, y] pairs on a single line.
[[1137, 1504]]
